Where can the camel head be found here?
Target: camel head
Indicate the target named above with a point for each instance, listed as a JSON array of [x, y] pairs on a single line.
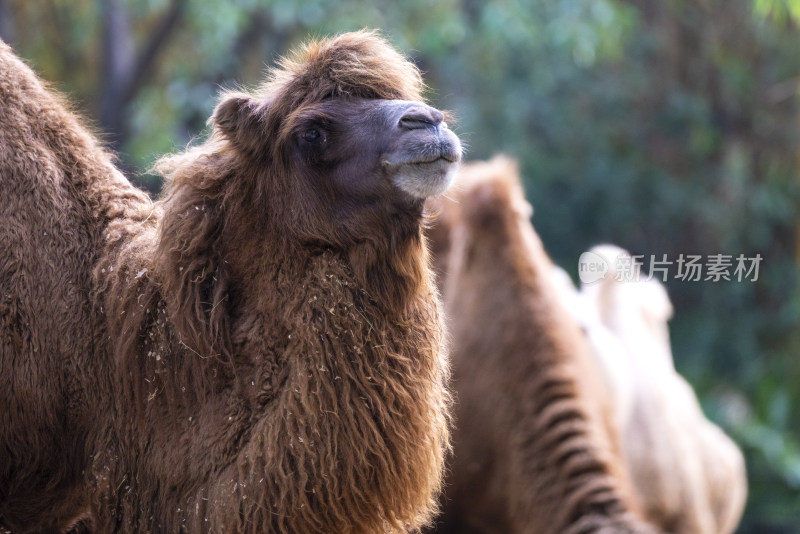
[[340, 133], [335, 151]]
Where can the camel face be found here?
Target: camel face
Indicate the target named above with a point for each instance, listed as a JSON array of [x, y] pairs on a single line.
[[369, 147]]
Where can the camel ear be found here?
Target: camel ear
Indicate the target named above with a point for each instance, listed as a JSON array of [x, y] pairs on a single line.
[[240, 118]]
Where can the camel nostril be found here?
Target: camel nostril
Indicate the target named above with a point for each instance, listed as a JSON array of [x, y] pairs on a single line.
[[418, 117]]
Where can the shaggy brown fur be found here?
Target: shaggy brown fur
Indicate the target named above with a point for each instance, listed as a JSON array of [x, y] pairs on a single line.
[[531, 451], [60, 190], [270, 356]]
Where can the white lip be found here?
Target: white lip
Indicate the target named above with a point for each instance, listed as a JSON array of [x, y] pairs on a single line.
[[423, 180]]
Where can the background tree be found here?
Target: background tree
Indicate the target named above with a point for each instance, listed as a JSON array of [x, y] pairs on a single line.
[[666, 127]]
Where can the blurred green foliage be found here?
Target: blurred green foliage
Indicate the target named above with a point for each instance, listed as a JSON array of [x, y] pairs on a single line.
[[665, 127]]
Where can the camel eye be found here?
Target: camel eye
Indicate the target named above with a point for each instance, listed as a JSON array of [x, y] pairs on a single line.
[[311, 135]]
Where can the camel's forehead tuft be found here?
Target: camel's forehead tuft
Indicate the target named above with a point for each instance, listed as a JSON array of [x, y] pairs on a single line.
[[359, 64]]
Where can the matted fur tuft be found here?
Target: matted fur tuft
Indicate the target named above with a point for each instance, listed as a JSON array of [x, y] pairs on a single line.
[[359, 64]]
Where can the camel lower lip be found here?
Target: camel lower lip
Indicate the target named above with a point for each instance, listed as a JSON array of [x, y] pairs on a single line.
[[433, 163], [444, 158], [419, 162], [425, 162]]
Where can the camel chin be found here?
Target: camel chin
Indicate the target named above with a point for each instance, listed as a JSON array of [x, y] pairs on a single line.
[[423, 180]]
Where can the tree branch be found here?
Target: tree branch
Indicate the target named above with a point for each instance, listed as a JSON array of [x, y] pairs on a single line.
[[147, 57]]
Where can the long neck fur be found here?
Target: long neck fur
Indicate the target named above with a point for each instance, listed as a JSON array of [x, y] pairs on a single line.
[[273, 389]]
